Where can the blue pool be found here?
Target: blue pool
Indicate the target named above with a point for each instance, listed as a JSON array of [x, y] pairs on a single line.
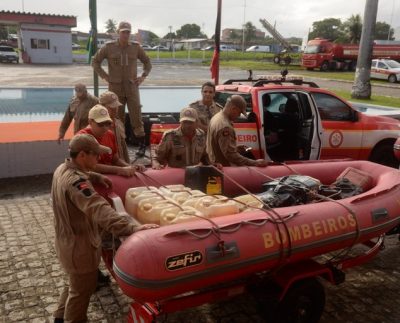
[[47, 104]]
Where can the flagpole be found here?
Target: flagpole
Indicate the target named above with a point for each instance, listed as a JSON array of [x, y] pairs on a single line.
[[215, 59], [93, 21]]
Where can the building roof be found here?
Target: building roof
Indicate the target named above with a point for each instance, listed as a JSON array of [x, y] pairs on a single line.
[[16, 17]]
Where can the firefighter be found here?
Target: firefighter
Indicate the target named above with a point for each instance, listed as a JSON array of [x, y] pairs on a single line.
[[80, 214], [221, 136], [122, 78]]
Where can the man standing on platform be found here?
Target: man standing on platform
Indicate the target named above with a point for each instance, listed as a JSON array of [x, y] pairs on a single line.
[[78, 110], [122, 78]]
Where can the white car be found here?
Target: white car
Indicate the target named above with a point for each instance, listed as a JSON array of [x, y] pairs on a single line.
[[226, 48], [146, 47], [160, 48], [76, 46], [258, 48], [385, 69], [8, 54]]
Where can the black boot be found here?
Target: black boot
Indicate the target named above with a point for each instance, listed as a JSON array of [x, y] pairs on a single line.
[[101, 278], [142, 147]]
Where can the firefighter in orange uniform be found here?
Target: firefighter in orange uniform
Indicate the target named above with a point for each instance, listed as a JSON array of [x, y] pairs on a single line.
[[79, 215]]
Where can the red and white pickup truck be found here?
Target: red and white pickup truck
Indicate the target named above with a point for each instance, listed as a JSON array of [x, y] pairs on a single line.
[[295, 120]]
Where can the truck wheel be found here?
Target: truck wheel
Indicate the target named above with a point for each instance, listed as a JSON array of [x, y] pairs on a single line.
[[392, 78], [325, 66], [383, 154], [303, 303], [277, 59]]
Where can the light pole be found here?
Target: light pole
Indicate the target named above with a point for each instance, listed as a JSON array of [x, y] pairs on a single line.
[[391, 20], [244, 21]]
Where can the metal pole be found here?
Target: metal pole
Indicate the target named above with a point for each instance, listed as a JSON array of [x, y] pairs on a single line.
[[244, 22], [94, 31], [362, 86], [391, 21]]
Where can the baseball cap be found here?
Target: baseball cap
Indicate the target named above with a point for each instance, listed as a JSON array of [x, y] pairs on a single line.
[[109, 99], [80, 87], [99, 114], [124, 25], [188, 114], [86, 142]]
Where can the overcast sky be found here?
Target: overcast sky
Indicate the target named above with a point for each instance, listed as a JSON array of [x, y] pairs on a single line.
[[292, 17]]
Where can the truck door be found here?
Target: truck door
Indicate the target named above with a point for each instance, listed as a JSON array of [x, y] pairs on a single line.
[[342, 132], [289, 126]]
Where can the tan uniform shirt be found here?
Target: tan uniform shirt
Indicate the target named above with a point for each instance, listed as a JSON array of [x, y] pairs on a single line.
[[221, 143], [177, 150], [78, 111], [79, 215], [122, 66], [204, 112]]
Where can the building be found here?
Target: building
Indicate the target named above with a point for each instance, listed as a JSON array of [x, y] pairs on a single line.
[[42, 38]]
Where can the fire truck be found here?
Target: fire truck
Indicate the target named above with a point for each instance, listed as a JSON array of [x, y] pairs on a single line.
[[326, 55], [291, 119]]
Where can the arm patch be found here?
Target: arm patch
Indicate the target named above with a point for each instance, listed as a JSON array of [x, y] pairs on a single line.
[[83, 187]]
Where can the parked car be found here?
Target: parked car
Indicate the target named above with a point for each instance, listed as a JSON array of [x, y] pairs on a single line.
[[258, 48], [208, 48], [146, 47], [8, 55], [227, 48], [385, 69], [161, 48], [76, 46]]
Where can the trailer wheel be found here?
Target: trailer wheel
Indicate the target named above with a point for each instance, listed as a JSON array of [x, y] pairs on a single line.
[[392, 78], [324, 66], [383, 154], [303, 303]]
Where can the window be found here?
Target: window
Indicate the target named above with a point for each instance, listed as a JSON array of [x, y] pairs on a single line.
[[331, 108], [382, 65], [40, 43]]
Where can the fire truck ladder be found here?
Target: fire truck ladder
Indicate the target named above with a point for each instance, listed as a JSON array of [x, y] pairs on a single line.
[[278, 37]]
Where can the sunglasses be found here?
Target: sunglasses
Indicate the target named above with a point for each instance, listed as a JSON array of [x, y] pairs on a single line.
[[104, 124]]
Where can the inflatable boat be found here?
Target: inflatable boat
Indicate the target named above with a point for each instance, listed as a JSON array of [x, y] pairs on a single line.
[[161, 263]]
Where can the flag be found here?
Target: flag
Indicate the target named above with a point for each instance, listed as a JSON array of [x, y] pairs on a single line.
[[91, 45], [214, 68]]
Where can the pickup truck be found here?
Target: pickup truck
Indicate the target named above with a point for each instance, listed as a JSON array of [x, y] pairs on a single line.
[[290, 119]]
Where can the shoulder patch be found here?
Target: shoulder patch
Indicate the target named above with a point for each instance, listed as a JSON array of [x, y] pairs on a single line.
[[82, 186]]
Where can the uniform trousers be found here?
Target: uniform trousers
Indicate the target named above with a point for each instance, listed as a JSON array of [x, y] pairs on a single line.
[[135, 113], [74, 299]]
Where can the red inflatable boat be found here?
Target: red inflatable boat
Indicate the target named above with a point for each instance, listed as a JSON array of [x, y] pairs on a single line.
[[159, 264]]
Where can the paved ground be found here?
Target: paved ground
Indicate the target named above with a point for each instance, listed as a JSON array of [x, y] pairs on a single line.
[[162, 74]]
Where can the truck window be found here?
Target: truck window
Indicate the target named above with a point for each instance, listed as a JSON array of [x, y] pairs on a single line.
[[382, 65], [221, 97], [331, 108]]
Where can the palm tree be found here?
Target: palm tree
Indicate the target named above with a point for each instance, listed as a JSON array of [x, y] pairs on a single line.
[[352, 29], [111, 26]]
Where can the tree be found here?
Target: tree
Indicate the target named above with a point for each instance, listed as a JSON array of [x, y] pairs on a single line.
[[329, 28], [170, 36], [190, 31], [249, 32], [382, 30], [235, 36], [352, 28], [111, 26]]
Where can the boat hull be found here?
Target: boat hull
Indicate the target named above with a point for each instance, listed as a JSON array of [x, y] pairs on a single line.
[[161, 263]]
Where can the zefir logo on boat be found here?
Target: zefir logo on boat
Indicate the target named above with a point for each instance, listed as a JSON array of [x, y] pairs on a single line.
[[184, 260]]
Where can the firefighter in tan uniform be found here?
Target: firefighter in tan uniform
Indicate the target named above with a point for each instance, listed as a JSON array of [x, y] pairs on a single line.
[[221, 136], [78, 110], [122, 78], [79, 215], [206, 107], [184, 146], [109, 100]]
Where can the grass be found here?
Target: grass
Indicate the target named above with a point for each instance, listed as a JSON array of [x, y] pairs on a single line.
[[375, 99]]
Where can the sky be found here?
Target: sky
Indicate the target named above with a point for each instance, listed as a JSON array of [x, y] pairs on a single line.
[[292, 17]]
